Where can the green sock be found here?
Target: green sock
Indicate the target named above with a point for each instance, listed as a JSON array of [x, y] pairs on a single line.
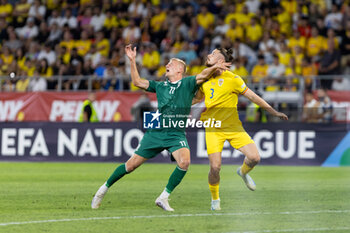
[[117, 174], [175, 179]]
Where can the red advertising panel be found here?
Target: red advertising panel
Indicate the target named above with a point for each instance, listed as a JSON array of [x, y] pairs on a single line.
[[341, 105], [66, 106]]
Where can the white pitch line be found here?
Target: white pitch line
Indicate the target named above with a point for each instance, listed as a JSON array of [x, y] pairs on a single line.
[[174, 216], [297, 230]]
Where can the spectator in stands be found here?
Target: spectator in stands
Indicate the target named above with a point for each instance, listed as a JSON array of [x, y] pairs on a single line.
[[37, 83], [259, 71], [85, 19], [235, 31], [296, 40], [310, 110], [23, 82], [55, 33], [205, 19], [187, 53], [267, 47], [54, 18], [13, 43], [345, 45], [239, 69], [67, 41], [325, 107], [276, 69], [151, 58], [341, 84], [37, 11], [334, 18], [98, 19], [284, 55], [244, 51], [6, 56], [132, 33], [253, 33], [83, 45], [6, 10], [20, 13], [136, 8], [69, 19], [48, 54], [29, 31], [314, 43], [308, 72], [329, 65]]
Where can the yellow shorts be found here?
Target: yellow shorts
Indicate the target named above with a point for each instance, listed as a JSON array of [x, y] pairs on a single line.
[[215, 140]]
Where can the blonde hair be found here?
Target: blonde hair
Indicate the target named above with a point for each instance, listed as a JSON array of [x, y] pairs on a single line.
[[182, 62]]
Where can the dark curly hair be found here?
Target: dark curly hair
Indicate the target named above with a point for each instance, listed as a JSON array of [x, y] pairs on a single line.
[[227, 53]]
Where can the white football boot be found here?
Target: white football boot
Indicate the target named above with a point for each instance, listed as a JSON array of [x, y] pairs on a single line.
[[164, 204], [247, 180], [101, 192], [215, 204]]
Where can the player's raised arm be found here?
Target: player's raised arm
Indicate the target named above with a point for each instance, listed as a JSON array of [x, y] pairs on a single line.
[[198, 97], [262, 103], [206, 73], [135, 77]]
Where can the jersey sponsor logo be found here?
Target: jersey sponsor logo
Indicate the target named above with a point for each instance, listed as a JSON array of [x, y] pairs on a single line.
[[221, 81], [151, 120]]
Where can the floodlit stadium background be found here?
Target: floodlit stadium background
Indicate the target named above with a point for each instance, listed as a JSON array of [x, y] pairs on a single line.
[[53, 53]]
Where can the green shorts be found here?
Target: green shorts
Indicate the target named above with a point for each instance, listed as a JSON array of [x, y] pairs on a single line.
[[153, 143]]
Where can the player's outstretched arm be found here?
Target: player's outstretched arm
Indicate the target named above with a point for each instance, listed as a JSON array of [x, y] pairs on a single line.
[[262, 103], [135, 77], [198, 97], [207, 72]]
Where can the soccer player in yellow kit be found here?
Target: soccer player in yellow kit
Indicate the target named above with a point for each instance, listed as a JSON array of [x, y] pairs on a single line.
[[221, 98]]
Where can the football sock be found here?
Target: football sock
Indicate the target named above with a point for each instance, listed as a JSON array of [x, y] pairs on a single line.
[[164, 194], [175, 179], [214, 190], [117, 174], [245, 168]]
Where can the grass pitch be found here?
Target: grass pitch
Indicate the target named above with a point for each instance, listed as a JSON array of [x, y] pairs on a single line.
[[287, 199]]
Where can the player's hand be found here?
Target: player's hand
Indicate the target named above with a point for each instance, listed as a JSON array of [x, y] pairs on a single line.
[[223, 66], [131, 53], [281, 116]]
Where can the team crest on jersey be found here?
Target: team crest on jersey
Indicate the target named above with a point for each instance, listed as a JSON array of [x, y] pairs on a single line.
[[165, 83], [221, 81]]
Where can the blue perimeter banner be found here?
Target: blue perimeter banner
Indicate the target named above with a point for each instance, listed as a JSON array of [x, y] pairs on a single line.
[[278, 143]]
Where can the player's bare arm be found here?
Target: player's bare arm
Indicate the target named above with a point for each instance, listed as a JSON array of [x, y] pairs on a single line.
[[262, 103], [198, 97], [135, 77], [207, 73]]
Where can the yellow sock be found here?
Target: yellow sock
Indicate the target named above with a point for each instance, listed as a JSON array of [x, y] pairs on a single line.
[[214, 190], [245, 168]]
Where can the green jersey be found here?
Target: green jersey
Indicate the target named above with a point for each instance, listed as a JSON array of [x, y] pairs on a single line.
[[174, 103], [174, 99]]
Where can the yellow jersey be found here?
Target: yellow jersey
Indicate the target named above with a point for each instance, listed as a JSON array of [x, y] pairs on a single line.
[[221, 98]]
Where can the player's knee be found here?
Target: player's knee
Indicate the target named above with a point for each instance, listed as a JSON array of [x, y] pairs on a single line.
[[215, 168], [184, 164], [255, 159], [130, 167]]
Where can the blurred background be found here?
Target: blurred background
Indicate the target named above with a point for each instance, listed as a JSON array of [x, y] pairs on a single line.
[[285, 50]]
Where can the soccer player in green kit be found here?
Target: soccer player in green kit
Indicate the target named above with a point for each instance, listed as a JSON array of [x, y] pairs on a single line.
[[173, 95]]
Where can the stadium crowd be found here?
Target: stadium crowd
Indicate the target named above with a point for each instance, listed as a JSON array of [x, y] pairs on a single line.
[[273, 41]]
